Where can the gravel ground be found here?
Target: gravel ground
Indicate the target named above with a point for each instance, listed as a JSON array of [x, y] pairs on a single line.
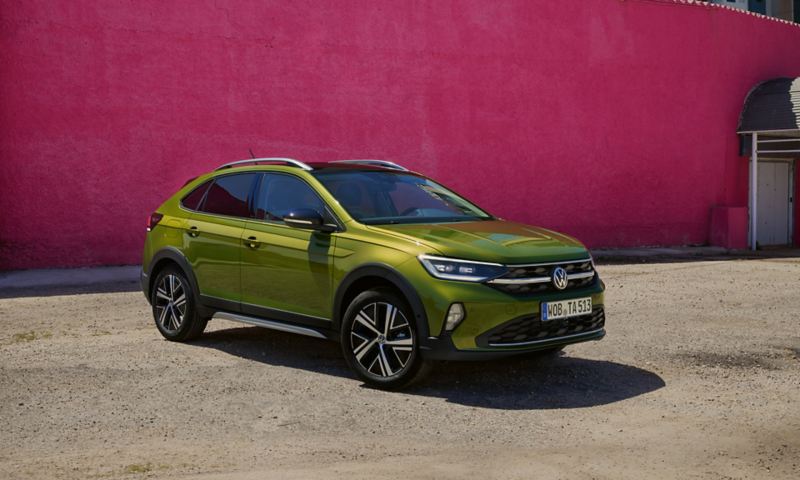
[[699, 377]]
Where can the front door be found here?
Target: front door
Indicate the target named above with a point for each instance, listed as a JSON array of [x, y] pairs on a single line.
[[286, 270], [774, 203]]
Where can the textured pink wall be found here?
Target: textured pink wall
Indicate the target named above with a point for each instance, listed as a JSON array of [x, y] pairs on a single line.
[[611, 120]]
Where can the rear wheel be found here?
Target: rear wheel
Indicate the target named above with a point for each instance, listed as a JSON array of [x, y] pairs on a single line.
[[379, 341], [174, 308]]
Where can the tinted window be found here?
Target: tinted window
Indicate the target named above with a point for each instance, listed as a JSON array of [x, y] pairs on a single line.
[[228, 195], [192, 201], [378, 197], [279, 194]]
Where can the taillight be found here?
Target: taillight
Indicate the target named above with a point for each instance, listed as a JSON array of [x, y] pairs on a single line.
[[153, 220]]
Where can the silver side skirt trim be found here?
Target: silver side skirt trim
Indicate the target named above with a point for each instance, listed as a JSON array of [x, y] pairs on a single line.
[[545, 340], [259, 322]]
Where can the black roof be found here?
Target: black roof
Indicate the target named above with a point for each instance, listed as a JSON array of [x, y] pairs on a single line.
[[772, 105]]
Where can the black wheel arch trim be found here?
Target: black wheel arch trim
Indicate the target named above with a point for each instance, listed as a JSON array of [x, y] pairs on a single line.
[[392, 276], [175, 255]]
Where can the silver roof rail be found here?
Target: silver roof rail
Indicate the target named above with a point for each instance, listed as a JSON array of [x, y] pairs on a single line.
[[377, 163], [290, 161]]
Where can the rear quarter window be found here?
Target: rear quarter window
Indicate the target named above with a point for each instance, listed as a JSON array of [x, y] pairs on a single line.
[[228, 195], [193, 199]]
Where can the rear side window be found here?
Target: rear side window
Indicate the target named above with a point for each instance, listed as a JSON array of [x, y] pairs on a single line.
[[228, 195], [192, 201]]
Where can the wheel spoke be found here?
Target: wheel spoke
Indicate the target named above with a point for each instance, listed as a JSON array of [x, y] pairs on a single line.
[[364, 348], [372, 365], [163, 317], [379, 358], [357, 341], [359, 336], [385, 363], [174, 318], [363, 320], [162, 294], [397, 327], [171, 286], [400, 342], [178, 302], [399, 360], [391, 312]]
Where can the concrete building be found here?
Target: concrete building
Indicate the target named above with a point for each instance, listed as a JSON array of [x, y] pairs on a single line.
[[623, 123]]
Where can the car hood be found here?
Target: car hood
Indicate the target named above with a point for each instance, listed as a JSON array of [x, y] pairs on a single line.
[[491, 241]]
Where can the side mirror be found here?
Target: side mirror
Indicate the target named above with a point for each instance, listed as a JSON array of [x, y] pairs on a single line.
[[306, 218]]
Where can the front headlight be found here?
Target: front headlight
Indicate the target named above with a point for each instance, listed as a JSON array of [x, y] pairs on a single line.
[[463, 270]]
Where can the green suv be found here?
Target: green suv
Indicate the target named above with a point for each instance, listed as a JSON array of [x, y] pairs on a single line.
[[397, 268]]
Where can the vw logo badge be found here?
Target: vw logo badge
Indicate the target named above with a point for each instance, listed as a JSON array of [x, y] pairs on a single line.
[[560, 278]]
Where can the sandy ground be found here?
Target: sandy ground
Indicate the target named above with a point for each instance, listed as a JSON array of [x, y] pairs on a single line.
[[699, 377]]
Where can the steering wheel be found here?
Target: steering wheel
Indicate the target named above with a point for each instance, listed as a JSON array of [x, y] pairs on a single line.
[[407, 211]]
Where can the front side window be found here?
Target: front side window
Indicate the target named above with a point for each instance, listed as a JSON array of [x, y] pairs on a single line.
[[279, 194], [378, 197], [228, 195]]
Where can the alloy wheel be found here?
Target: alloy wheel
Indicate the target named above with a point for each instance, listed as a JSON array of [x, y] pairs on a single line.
[[170, 303], [381, 339]]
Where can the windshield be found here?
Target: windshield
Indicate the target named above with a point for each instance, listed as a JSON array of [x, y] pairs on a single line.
[[379, 197]]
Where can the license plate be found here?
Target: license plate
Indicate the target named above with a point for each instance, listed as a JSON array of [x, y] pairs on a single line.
[[566, 308]]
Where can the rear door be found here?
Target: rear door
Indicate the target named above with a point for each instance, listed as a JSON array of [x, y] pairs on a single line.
[[214, 239]]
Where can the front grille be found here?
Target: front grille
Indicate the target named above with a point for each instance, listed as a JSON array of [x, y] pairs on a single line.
[[530, 328], [540, 275]]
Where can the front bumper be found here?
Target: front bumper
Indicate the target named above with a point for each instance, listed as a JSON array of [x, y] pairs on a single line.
[[490, 310], [442, 348]]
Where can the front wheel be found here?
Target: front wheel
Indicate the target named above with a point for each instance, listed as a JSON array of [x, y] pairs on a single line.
[[379, 341], [174, 308]]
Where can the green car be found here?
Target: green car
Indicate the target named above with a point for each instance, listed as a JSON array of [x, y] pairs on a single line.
[[400, 270]]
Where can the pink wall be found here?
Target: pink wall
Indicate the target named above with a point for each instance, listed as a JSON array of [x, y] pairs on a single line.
[[610, 120]]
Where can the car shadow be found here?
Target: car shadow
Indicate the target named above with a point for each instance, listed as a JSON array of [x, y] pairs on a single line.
[[514, 383]]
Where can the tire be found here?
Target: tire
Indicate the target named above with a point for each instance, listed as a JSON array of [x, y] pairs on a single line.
[[174, 306], [379, 341]]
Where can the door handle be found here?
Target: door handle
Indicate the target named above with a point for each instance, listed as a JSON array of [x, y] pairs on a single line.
[[252, 242], [193, 231]]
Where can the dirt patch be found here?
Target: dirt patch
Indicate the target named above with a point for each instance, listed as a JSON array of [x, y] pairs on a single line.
[[731, 360]]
